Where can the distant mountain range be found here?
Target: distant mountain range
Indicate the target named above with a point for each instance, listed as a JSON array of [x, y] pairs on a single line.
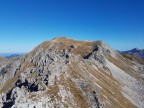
[[11, 55], [136, 52]]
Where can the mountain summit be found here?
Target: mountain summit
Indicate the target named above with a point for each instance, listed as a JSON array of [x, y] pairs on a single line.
[[66, 73]]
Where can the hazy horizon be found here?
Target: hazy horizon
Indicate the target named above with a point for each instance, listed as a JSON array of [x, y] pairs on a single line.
[[24, 24]]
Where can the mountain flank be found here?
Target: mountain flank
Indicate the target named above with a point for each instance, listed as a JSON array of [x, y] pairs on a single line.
[[67, 73]]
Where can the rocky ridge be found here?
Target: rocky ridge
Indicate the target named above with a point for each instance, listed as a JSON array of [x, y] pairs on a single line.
[[66, 73]]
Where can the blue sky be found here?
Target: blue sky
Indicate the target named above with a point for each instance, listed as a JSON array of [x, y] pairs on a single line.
[[26, 23]]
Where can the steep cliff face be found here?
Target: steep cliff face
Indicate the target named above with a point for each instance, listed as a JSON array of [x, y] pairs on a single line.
[[66, 73]]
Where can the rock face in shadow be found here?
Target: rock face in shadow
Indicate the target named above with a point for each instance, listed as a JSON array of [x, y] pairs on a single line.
[[65, 73], [9, 100]]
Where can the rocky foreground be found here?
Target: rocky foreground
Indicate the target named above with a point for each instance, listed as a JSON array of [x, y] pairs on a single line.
[[66, 73]]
